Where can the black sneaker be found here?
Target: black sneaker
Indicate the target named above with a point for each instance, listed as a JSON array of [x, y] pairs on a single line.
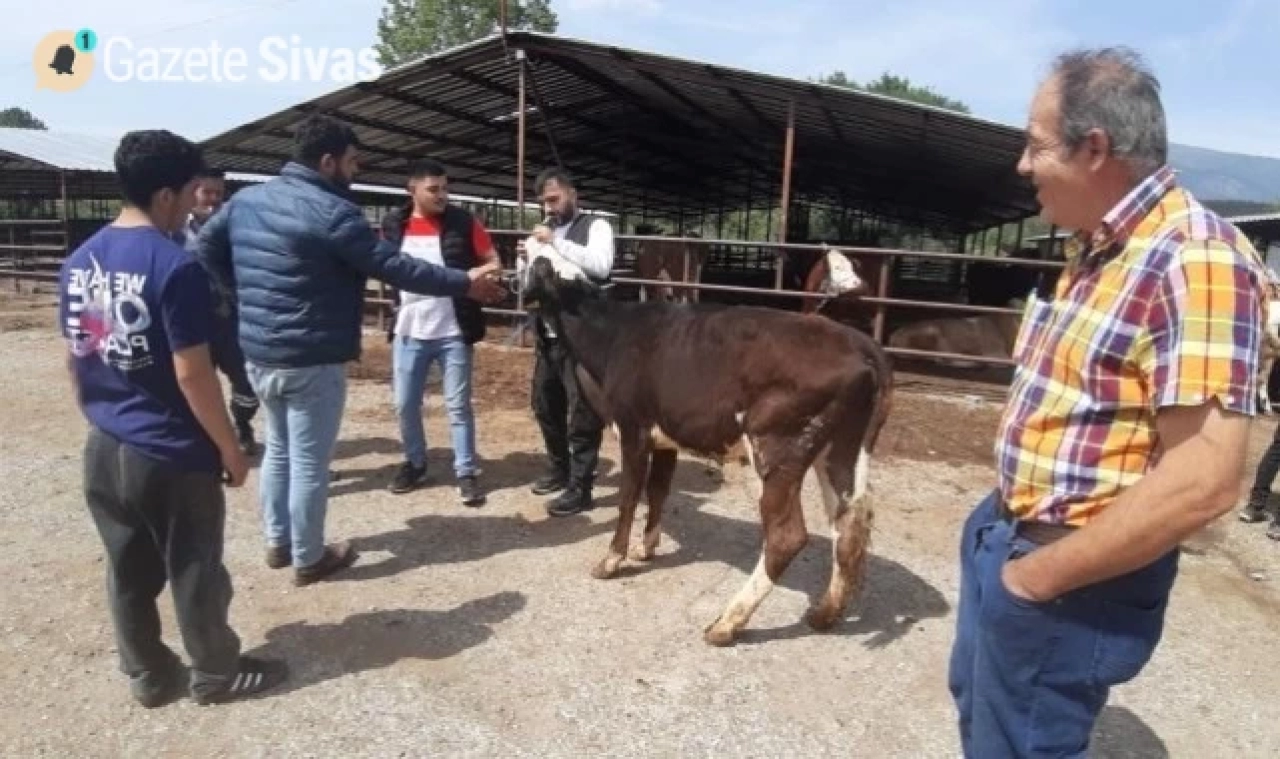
[[254, 676], [1254, 512], [247, 443], [469, 491], [1273, 530], [575, 500], [409, 478], [550, 483], [159, 687]]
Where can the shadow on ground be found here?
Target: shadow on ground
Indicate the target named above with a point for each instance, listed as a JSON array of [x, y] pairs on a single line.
[[1121, 734], [518, 469], [893, 600], [374, 640]]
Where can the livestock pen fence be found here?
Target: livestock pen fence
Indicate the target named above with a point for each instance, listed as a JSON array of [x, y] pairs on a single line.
[[910, 282]]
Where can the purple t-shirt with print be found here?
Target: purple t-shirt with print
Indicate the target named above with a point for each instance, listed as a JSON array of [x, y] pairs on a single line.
[[129, 298]]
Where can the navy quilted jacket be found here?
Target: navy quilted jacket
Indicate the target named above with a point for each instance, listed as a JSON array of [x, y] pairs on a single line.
[[297, 253]]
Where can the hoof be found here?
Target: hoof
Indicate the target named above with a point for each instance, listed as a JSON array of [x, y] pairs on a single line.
[[641, 553], [822, 619], [605, 570], [718, 636]]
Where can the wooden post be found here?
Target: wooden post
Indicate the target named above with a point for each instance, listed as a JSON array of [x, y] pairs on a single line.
[[787, 155]]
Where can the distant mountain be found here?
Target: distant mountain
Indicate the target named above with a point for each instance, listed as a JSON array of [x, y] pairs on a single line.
[[1213, 175]]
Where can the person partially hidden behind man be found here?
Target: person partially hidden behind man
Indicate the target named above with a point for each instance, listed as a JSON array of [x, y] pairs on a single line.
[[571, 430], [297, 252], [137, 312], [431, 330], [227, 356], [1126, 426]]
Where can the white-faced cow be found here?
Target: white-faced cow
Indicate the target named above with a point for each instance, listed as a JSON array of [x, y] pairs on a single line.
[[794, 391], [845, 280]]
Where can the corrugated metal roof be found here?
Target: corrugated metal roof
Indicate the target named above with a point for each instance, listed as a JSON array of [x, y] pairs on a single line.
[[640, 130], [70, 151], [1256, 218]]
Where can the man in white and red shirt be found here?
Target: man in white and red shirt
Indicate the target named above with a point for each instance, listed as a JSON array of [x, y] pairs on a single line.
[[441, 330]]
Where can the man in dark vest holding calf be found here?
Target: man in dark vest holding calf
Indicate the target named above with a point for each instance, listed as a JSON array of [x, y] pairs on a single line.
[[430, 329], [570, 428]]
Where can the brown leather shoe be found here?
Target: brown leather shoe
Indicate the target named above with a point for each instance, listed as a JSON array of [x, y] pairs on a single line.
[[279, 557], [336, 557]]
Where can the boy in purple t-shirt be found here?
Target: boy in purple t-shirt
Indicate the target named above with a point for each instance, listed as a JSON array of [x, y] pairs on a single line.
[[136, 311]]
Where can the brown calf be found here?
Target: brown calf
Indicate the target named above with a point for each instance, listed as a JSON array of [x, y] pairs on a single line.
[[989, 335], [846, 285], [671, 260], [795, 392]]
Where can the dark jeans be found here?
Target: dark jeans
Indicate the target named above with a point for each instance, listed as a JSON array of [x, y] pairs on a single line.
[[1029, 679], [228, 358], [158, 523], [1268, 468], [571, 429]]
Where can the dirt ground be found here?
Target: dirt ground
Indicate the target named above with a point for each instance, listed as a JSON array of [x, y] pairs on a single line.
[[479, 632]]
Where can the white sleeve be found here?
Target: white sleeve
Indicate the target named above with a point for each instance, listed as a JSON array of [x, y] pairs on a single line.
[[596, 257]]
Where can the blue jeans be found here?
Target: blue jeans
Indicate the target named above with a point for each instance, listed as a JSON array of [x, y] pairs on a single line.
[[1029, 679], [412, 360], [304, 411]]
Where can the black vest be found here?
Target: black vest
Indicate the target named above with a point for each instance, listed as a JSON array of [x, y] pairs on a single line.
[[458, 252], [580, 231]]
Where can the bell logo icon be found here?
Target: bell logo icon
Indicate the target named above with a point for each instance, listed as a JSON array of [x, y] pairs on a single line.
[[63, 60]]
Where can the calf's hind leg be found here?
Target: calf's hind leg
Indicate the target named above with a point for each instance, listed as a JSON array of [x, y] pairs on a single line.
[[850, 537], [662, 467], [784, 536]]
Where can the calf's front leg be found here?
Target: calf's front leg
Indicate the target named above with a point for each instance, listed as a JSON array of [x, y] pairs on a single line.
[[636, 449]]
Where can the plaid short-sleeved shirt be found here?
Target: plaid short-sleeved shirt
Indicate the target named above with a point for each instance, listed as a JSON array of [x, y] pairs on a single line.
[[1164, 307]]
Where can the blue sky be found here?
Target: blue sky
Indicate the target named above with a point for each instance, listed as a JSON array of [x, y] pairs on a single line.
[[1216, 60]]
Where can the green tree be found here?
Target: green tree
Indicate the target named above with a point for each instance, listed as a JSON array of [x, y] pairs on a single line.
[[899, 87], [20, 118], [412, 28]]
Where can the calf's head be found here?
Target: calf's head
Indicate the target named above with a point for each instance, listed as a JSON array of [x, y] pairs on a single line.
[[549, 282], [842, 275]]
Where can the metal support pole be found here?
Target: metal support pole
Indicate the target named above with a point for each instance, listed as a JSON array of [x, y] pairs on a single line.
[[66, 224], [520, 108], [1017, 244], [787, 155], [882, 292]]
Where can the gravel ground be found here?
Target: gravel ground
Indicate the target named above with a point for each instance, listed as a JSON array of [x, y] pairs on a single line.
[[479, 632]]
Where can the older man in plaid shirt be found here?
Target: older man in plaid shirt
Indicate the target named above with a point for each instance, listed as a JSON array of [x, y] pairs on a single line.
[[1126, 425]]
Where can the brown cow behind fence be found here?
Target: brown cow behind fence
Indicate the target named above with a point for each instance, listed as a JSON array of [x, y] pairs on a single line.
[[674, 260]]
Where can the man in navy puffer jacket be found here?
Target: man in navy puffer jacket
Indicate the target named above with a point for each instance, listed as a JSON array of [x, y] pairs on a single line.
[[297, 251]]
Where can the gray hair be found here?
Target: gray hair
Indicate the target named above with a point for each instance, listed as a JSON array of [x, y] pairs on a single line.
[[1112, 89]]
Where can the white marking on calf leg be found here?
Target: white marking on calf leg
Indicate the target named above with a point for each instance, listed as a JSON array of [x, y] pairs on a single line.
[[861, 472], [855, 519], [741, 607]]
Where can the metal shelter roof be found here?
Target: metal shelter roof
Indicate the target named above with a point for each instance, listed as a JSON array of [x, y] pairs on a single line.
[[640, 130], [1265, 225], [69, 151], [35, 162]]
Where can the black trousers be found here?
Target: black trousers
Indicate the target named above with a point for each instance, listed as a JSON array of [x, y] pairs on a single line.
[[229, 359], [571, 429], [162, 524]]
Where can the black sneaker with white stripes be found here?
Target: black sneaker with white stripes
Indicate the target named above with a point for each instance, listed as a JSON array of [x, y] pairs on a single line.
[[253, 677]]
